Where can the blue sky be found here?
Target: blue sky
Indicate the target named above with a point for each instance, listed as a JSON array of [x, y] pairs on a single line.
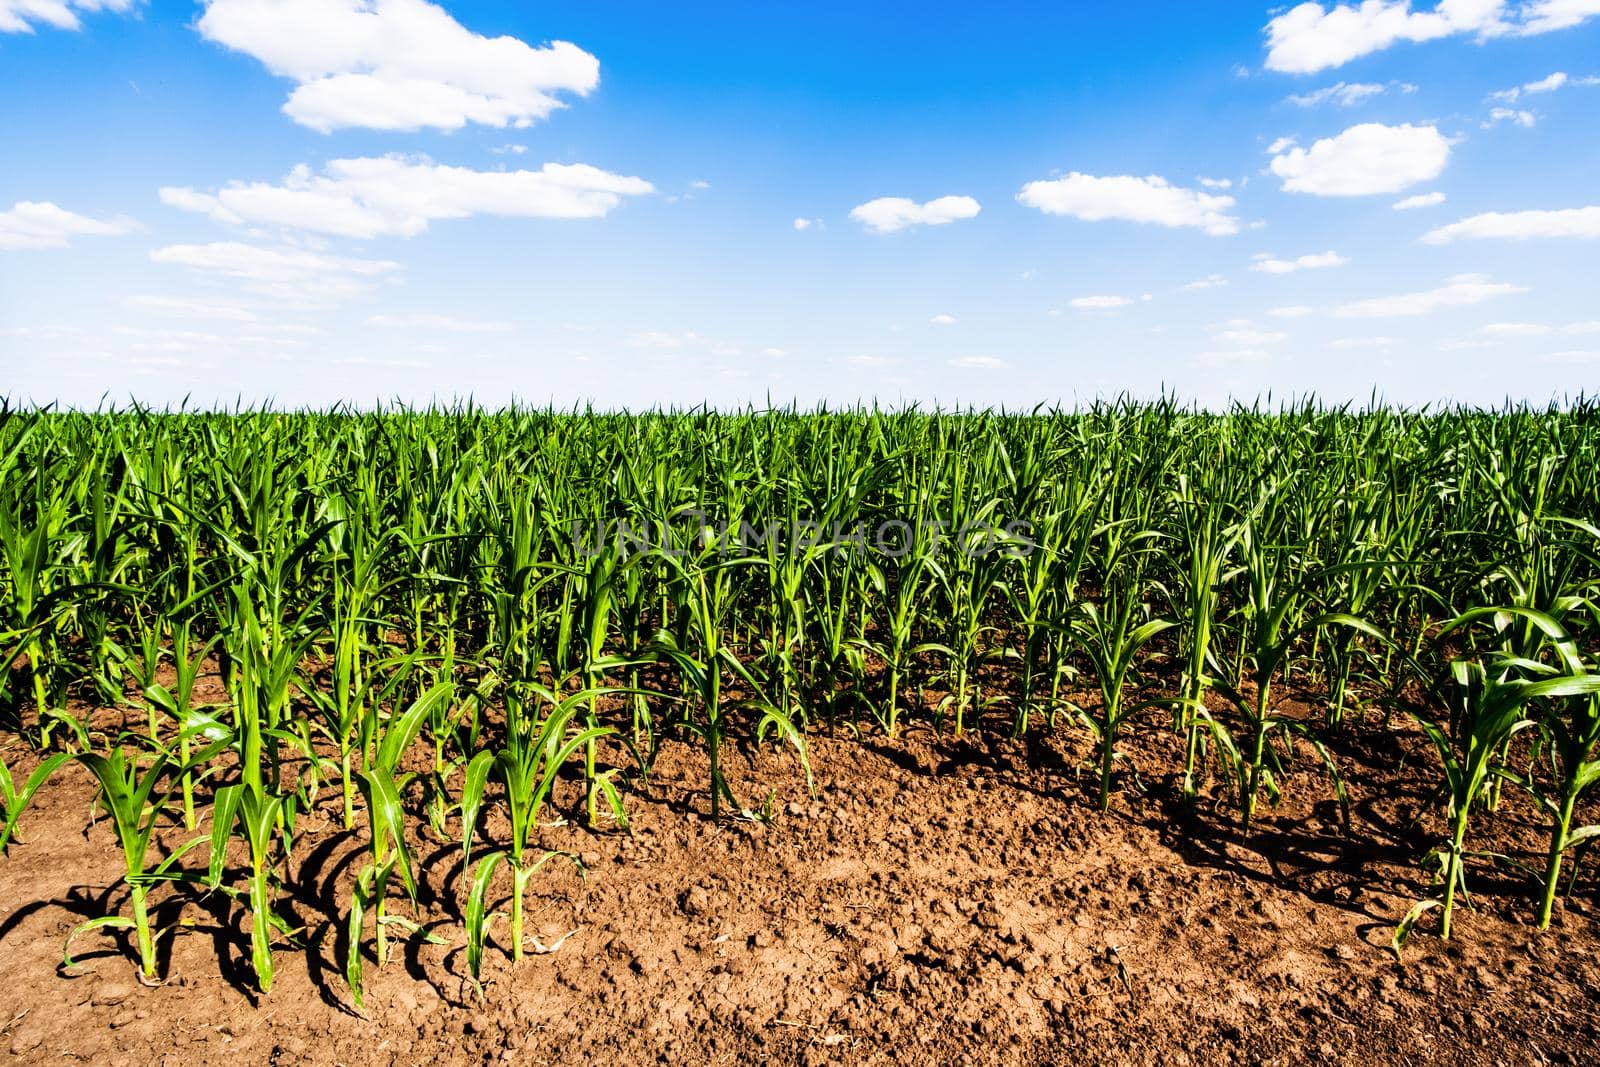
[[308, 201]]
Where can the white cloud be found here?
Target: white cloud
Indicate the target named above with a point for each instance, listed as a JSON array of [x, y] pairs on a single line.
[[1516, 329], [978, 363], [655, 339], [1498, 115], [397, 64], [1411, 203], [428, 321], [1220, 359], [1216, 183], [1099, 303], [803, 224], [34, 224], [20, 16], [1268, 264], [291, 275], [1210, 281], [943, 320], [1544, 16], [399, 196], [1459, 291], [52, 331], [1131, 199], [1538, 329], [1345, 94], [1350, 344], [1308, 37], [388, 364], [256, 263], [1294, 311], [1544, 85], [1364, 160], [1281, 144], [183, 307], [1583, 222], [888, 214], [1246, 335]]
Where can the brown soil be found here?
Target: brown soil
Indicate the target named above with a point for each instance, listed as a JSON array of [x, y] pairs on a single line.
[[939, 901]]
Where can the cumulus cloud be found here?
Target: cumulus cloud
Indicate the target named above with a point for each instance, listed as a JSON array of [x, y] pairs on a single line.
[[1309, 37], [1581, 222], [1460, 291], [888, 214], [34, 224], [1150, 200], [1265, 263], [1545, 16], [1411, 203], [943, 320], [21, 16], [1364, 160], [400, 196], [397, 64]]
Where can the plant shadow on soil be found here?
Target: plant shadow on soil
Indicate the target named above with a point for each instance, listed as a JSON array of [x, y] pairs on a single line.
[[939, 900]]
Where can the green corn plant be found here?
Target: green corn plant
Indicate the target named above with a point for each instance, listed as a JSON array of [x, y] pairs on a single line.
[[381, 786], [1207, 544], [1111, 634], [136, 808], [1571, 728], [1048, 579], [703, 596], [528, 767], [14, 801], [595, 601], [1487, 699], [1277, 617], [177, 702], [1573, 737], [901, 597], [262, 666], [35, 550], [345, 705]]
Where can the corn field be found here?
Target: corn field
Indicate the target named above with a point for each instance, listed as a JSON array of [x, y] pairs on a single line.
[[229, 620]]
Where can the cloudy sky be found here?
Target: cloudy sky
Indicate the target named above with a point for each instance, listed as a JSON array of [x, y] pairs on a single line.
[[307, 201]]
